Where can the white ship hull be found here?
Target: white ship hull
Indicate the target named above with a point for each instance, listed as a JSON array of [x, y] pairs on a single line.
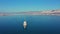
[[25, 24]]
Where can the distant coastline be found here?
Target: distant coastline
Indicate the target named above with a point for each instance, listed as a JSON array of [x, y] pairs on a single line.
[[48, 12]]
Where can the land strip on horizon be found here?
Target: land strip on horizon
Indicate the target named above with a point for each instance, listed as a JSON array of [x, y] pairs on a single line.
[[48, 12]]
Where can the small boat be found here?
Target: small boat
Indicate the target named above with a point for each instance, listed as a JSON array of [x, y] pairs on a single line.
[[24, 24]]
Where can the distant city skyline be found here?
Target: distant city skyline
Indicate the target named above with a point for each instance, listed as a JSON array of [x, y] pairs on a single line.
[[28, 5]]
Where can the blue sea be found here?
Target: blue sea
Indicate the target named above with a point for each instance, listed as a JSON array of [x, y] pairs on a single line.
[[36, 24]]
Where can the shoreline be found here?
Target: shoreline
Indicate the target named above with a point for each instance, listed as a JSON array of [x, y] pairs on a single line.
[[33, 14]]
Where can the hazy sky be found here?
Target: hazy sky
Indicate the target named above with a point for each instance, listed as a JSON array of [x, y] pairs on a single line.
[[28, 5]]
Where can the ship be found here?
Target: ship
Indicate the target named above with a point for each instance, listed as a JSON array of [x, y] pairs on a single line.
[[24, 24]]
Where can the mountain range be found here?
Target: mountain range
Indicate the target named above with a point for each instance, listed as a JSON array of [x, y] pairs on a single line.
[[47, 12]]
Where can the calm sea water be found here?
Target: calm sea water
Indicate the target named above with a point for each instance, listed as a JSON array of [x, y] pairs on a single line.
[[36, 24]]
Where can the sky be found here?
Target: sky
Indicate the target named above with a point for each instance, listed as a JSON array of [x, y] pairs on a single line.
[[28, 5]]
